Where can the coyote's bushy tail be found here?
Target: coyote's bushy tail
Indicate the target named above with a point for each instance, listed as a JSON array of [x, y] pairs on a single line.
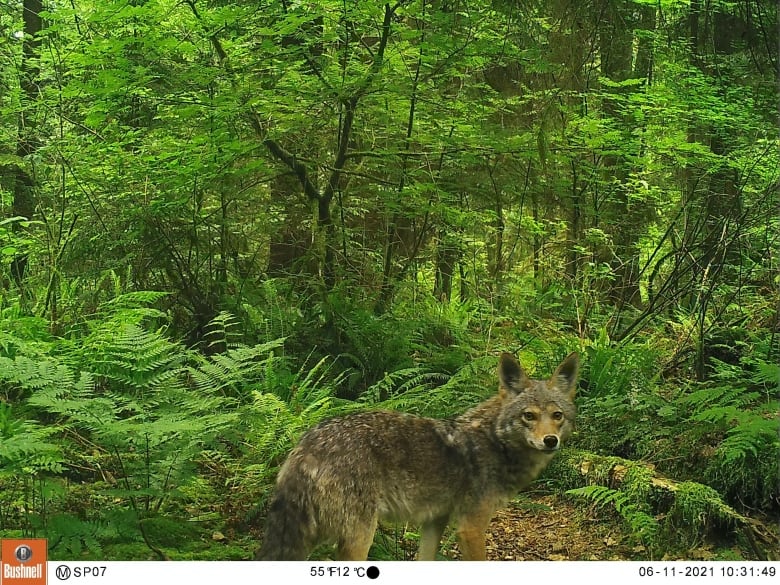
[[286, 537]]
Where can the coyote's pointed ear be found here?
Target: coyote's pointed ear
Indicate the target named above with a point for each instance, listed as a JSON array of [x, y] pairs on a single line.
[[511, 376], [565, 376]]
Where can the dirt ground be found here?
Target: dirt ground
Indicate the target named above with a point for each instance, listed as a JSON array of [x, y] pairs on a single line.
[[542, 527], [546, 528]]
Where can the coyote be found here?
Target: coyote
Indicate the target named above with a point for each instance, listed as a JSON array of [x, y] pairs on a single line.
[[349, 472]]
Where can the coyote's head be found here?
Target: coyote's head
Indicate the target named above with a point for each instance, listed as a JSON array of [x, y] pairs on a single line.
[[536, 413]]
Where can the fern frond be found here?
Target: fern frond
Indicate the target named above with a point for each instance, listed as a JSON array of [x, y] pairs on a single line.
[[642, 524], [235, 372], [753, 435], [704, 397], [133, 300], [767, 374], [223, 330], [31, 374], [717, 414], [74, 534], [24, 446], [434, 393], [137, 358]]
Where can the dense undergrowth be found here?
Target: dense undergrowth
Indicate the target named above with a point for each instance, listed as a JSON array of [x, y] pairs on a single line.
[[351, 205], [118, 441]]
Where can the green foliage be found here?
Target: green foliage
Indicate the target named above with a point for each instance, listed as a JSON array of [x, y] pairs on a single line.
[[697, 509], [619, 370], [145, 427], [642, 525], [265, 431], [435, 394], [724, 432], [618, 393], [26, 449], [354, 205], [148, 411], [237, 371], [72, 536], [738, 410], [359, 339], [444, 332], [663, 515]]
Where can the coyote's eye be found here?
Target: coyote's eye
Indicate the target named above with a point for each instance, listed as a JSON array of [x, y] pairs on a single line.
[[529, 416], [557, 415]]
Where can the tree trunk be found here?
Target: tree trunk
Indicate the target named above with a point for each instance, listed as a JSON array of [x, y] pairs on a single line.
[[574, 227], [447, 256], [497, 268], [711, 201], [537, 239], [616, 38], [27, 143]]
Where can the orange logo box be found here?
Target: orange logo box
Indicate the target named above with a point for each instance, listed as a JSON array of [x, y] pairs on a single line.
[[23, 561]]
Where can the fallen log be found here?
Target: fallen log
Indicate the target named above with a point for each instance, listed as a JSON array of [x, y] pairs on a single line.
[[656, 506]]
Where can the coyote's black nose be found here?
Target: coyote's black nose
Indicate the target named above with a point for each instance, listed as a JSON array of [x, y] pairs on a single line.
[[551, 441]]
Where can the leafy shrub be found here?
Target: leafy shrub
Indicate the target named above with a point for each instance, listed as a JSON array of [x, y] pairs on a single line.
[[619, 398], [733, 420], [136, 416]]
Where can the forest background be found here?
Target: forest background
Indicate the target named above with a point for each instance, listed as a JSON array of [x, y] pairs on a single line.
[[225, 220]]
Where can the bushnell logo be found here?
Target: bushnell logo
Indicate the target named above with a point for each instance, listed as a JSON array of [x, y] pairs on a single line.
[[23, 553], [23, 561]]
